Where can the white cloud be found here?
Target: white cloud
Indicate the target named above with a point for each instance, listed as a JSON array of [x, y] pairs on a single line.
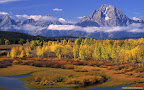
[[31, 27], [57, 9], [135, 18], [135, 27], [4, 13], [48, 18], [38, 17], [27, 28], [81, 17], [5, 1], [64, 27], [36, 30], [35, 17], [62, 20]]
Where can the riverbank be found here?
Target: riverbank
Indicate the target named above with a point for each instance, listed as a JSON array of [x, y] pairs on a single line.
[[63, 78], [16, 70], [40, 76], [52, 77], [117, 79]]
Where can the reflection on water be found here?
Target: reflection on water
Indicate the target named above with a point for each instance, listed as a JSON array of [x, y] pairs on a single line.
[[11, 83]]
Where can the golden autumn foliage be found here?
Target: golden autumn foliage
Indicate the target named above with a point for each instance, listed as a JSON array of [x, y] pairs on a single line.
[[120, 51]]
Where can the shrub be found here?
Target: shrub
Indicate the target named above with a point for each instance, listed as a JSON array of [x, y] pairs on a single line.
[[71, 75], [78, 69], [3, 53], [96, 69], [68, 66], [73, 81], [118, 67], [91, 63], [46, 82], [130, 68], [129, 73], [84, 81], [109, 67], [37, 79], [139, 69], [59, 78], [17, 62], [27, 62], [100, 63], [137, 74], [5, 63], [104, 66], [78, 63]]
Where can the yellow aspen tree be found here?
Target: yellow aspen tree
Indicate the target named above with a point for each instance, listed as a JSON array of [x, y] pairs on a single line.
[[13, 52], [49, 43], [76, 51], [82, 53], [28, 50], [64, 42], [47, 51], [97, 52], [8, 55], [69, 42], [76, 41], [32, 43], [39, 51], [7, 42], [22, 54], [67, 51], [59, 51]]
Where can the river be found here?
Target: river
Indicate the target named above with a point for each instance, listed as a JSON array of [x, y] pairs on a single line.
[[12, 83]]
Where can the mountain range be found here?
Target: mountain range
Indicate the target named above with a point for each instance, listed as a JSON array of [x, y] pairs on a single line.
[[107, 23], [107, 15]]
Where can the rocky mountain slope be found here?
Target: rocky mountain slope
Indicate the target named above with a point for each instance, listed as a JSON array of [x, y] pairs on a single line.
[[107, 15]]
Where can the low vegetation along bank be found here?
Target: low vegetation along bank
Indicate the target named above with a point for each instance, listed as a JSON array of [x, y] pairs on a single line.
[[80, 63], [70, 73]]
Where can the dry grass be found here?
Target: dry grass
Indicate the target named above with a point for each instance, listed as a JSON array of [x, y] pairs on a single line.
[[116, 79], [80, 69], [52, 77], [18, 70]]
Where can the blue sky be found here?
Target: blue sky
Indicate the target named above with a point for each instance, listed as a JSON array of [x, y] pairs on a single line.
[[68, 9]]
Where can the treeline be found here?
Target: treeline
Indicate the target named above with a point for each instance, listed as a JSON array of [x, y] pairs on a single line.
[[118, 51], [7, 38]]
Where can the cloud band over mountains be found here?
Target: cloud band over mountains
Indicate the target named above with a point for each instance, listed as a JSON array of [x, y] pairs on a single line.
[[135, 28]]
